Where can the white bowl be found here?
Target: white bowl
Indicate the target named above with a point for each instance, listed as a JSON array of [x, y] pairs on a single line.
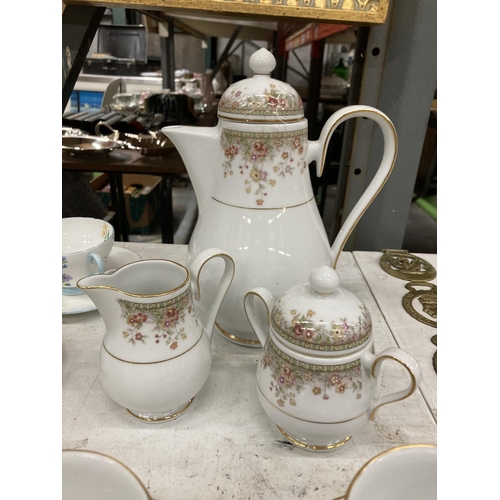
[[89, 475], [406, 472]]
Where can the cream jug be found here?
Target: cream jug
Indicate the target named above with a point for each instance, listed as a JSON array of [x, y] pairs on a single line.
[[251, 178], [155, 355], [318, 378]]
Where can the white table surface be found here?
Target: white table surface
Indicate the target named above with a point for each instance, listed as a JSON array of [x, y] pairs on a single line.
[[224, 445]]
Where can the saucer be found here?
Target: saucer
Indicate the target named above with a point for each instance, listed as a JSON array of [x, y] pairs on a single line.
[[407, 471], [96, 476], [74, 304]]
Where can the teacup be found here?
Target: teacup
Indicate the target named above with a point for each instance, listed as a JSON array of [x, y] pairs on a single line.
[[86, 245], [408, 471]]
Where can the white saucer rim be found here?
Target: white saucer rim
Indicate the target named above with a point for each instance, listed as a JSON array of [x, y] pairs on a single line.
[[105, 458]]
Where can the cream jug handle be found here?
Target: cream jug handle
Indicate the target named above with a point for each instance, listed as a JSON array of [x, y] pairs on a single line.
[[261, 330], [408, 362], [220, 292], [316, 151]]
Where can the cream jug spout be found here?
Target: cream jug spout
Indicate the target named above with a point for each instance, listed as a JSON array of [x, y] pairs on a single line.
[[199, 149]]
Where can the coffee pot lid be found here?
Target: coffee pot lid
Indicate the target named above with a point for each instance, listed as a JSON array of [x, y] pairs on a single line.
[[321, 315], [261, 98]]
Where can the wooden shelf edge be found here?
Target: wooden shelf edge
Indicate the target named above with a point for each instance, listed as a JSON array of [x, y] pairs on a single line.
[[376, 13]]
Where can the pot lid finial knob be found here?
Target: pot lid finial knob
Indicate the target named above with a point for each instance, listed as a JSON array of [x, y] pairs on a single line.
[[262, 62], [324, 280]]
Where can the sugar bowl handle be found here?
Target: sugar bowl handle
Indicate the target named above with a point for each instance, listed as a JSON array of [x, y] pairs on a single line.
[[260, 328], [409, 363], [221, 290]]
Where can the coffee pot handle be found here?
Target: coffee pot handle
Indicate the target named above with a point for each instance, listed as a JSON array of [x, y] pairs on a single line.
[[409, 363], [316, 151], [221, 290], [260, 328]]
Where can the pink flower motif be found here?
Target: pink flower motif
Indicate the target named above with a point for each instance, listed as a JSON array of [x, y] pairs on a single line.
[[231, 151], [272, 101], [138, 336], [310, 333], [237, 93], [298, 330], [172, 314], [334, 379]]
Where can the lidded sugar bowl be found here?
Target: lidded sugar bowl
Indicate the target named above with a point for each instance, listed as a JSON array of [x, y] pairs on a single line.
[[318, 376]]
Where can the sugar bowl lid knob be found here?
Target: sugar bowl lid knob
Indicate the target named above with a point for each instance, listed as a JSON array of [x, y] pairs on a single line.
[[262, 62], [324, 280]]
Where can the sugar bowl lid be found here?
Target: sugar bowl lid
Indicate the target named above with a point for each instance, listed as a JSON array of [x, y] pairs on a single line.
[[321, 315], [261, 98]]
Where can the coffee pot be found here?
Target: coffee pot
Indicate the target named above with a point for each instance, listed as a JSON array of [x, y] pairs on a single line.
[[155, 355], [250, 174], [318, 378]]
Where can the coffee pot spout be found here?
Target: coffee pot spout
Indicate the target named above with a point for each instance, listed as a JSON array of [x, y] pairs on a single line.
[[199, 150]]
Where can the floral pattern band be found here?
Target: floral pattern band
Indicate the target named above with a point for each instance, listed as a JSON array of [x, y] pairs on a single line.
[[290, 377], [271, 102], [263, 159], [167, 319], [305, 331]]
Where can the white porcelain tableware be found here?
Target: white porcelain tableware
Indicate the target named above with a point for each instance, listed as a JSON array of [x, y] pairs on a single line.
[[318, 376], [90, 475], [86, 245], [406, 472], [251, 177], [155, 355], [82, 303]]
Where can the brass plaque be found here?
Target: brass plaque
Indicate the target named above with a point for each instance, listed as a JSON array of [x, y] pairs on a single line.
[[426, 295], [406, 266]]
